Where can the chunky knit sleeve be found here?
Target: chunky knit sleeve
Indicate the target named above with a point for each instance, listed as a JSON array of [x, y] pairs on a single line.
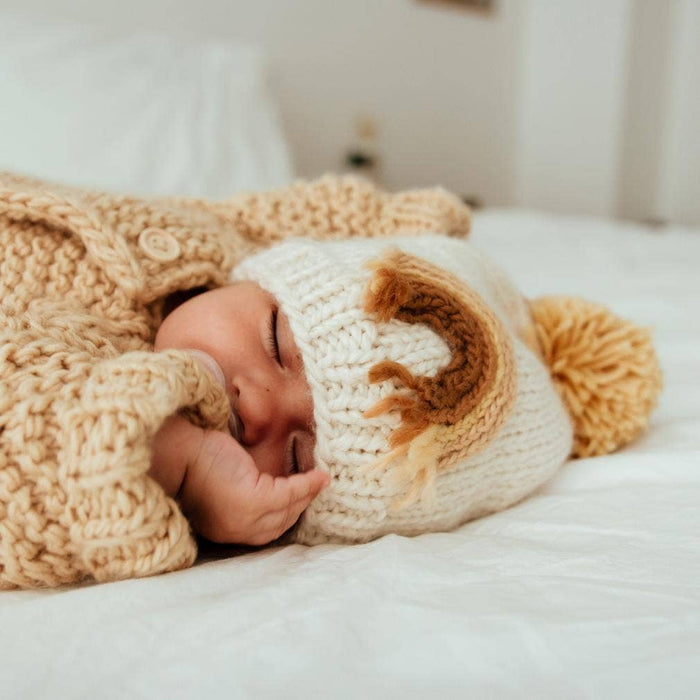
[[341, 207], [77, 420]]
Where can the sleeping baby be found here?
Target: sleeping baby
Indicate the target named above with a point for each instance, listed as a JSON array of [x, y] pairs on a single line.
[[166, 368]]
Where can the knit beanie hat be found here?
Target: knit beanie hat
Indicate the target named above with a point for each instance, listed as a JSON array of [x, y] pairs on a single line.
[[440, 393]]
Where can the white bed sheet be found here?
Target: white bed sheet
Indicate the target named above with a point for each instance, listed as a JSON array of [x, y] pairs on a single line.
[[591, 589]]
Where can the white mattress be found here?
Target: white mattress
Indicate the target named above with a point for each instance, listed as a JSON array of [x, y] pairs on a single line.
[[591, 589]]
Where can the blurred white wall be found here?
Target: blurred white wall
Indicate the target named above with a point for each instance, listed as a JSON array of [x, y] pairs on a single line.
[[680, 173], [645, 118], [440, 85], [609, 112], [572, 94], [583, 107]]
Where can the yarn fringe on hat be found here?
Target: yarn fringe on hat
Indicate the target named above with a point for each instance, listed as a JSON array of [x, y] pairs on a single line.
[[604, 368], [445, 418]]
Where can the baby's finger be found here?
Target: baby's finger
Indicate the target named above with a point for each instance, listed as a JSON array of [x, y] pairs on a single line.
[[305, 492], [280, 493], [298, 488], [275, 523]]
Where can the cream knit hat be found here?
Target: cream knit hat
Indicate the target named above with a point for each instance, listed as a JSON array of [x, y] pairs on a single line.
[[431, 401]]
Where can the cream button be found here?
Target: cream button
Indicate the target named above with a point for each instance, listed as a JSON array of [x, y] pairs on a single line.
[[158, 244]]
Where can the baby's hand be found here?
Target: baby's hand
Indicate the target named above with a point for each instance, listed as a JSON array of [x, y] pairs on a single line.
[[223, 495]]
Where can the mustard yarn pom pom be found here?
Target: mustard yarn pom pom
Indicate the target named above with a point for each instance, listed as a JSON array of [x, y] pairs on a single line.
[[604, 368]]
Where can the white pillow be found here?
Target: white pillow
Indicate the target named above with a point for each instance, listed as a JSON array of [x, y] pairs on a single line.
[[136, 112]]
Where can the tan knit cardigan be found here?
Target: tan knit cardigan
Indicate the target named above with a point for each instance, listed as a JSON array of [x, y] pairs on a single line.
[[83, 279]]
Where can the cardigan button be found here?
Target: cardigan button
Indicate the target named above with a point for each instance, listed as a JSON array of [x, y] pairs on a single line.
[[159, 245]]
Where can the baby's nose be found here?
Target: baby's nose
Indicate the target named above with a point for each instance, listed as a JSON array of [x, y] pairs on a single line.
[[255, 406]]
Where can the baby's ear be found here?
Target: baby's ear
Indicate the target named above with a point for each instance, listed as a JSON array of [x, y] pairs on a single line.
[[456, 413]]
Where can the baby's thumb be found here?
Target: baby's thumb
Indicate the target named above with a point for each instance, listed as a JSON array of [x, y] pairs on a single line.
[[303, 488], [299, 490], [319, 481]]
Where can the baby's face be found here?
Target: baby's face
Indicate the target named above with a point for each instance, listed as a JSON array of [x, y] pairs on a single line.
[[241, 327]]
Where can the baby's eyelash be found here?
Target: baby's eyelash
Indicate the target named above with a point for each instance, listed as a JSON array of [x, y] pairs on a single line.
[[272, 342], [292, 460]]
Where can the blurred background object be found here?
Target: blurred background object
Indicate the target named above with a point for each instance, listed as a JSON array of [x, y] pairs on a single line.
[[567, 106], [478, 5]]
